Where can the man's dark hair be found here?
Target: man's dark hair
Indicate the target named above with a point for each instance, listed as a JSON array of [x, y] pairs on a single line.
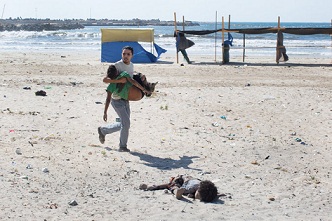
[[207, 190], [128, 48], [112, 72]]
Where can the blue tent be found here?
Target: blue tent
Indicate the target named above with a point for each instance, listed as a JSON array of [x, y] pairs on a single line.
[[113, 40], [111, 52]]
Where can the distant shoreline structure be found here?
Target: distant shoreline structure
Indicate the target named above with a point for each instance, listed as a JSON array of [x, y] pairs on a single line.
[[31, 24]]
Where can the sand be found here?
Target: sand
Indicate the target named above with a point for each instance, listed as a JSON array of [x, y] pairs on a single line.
[[260, 131]]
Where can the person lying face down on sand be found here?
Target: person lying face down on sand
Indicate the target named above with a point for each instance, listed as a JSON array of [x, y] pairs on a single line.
[[127, 88], [125, 84], [181, 185]]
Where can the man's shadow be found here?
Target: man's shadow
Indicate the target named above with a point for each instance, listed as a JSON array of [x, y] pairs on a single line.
[[166, 163]]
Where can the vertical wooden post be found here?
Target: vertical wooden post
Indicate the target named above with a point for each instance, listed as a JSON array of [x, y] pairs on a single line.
[[277, 48], [229, 27], [244, 47], [175, 30], [215, 38], [222, 36], [229, 21], [183, 24]]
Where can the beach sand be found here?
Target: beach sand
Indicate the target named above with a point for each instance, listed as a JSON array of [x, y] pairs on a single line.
[[260, 131]]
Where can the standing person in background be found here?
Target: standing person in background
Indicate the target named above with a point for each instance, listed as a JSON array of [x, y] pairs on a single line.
[[182, 43], [281, 49], [121, 106]]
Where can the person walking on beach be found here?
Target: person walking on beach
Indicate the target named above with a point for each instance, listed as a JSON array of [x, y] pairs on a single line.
[[182, 43], [120, 105]]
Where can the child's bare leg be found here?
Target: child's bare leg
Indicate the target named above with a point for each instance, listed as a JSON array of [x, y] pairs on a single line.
[[143, 186], [178, 192]]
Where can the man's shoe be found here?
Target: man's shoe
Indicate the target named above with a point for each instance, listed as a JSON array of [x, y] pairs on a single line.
[[101, 136], [124, 149]]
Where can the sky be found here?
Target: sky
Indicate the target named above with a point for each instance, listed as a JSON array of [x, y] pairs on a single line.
[[191, 10]]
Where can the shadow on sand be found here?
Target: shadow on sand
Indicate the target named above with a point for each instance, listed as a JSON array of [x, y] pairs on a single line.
[[166, 163], [191, 201]]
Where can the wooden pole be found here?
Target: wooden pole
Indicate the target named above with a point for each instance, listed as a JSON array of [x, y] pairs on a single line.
[[229, 21], [175, 30], [182, 22], [222, 36], [277, 48], [229, 27], [244, 47], [215, 39]]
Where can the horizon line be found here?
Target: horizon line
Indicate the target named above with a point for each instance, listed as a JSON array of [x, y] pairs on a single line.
[[10, 18]]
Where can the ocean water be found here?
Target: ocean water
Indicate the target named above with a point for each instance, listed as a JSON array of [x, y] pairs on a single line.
[[89, 39]]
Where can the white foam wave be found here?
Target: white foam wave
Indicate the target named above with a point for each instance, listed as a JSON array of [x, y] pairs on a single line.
[[90, 38]]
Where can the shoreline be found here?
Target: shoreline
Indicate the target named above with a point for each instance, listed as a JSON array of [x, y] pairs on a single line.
[[170, 57]]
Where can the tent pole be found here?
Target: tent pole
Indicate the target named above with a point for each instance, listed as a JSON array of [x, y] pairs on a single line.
[[175, 29], [277, 48], [152, 43]]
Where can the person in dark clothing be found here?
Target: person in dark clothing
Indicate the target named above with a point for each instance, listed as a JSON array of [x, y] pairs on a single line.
[[281, 49], [180, 185], [182, 43]]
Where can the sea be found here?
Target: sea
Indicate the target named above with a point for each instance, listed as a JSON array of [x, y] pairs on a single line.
[[89, 39]]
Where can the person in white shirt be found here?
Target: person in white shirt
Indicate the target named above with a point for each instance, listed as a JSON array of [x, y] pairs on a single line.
[[121, 106]]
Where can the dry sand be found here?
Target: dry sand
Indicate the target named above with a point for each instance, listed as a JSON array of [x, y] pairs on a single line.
[[254, 156]]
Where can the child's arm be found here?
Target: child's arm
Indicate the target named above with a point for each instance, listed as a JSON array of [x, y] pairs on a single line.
[[109, 80]]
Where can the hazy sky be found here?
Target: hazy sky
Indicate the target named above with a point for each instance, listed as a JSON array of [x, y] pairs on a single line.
[[194, 10]]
